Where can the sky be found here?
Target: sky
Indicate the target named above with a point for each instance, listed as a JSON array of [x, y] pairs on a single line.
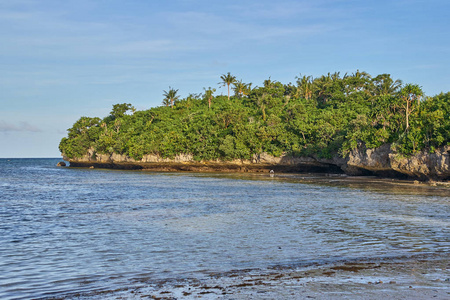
[[60, 60]]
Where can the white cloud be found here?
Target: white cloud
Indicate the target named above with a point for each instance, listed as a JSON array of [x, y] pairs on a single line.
[[21, 126]]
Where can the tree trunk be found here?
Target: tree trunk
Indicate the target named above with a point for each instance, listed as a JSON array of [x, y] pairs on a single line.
[[407, 114]]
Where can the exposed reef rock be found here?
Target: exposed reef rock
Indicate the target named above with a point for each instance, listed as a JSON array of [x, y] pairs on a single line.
[[382, 161]]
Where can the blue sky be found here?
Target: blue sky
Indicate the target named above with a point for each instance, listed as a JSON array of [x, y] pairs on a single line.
[[60, 60]]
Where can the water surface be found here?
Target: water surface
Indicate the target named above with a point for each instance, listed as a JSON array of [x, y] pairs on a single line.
[[67, 230]]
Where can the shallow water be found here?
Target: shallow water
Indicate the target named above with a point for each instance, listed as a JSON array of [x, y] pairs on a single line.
[[66, 230]]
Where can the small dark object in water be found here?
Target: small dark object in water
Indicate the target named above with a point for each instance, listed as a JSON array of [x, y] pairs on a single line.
[[61, 164]]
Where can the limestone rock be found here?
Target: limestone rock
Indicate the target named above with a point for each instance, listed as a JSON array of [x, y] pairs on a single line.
[[423, 164], [370, 159], [382, 161]]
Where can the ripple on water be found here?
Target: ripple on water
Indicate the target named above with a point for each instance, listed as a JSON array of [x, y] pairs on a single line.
[[72, 230]]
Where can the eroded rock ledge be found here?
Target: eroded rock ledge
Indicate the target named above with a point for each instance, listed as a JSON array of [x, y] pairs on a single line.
[[382, 161]]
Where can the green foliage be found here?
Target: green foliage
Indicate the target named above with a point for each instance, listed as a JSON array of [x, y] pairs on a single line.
[[82, 136], [430, 127], [316, 117], [119, 110]]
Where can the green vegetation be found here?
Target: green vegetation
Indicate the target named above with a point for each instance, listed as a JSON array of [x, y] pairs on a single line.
[[323, 117]]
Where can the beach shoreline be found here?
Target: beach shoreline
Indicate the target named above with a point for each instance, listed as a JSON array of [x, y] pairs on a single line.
[[416, 277]]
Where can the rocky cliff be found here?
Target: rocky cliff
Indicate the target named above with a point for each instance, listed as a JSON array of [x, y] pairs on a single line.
[[386, 162], [382, 161]]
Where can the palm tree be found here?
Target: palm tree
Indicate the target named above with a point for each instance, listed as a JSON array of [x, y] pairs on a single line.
[[239, 88], [248, 88], [166, 101], [304, 87], [385, 85], [227, 80], [356, 82], [170, 97], [209, 95], [360, 80], [268, 83], [322, 87]]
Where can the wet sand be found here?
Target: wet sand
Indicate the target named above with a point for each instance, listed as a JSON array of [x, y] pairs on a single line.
[[420, 277]]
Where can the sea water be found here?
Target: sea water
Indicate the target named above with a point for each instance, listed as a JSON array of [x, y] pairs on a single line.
[[65, 231]]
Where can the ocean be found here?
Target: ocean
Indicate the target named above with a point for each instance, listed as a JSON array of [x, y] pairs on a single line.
[[68, 232]]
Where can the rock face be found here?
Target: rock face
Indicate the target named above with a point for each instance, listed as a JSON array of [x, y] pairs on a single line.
[[61, 164], [382, 161], [424, 165], [385, 162]]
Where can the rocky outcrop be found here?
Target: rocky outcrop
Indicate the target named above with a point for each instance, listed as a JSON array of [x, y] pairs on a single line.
[[382, 161], [386, 162], [185, 162], [423, 164]]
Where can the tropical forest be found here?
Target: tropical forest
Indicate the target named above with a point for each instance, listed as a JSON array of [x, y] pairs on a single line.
[[325, 116]]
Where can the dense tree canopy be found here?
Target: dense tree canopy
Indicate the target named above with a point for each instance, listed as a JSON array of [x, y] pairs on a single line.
[[325, 116]]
